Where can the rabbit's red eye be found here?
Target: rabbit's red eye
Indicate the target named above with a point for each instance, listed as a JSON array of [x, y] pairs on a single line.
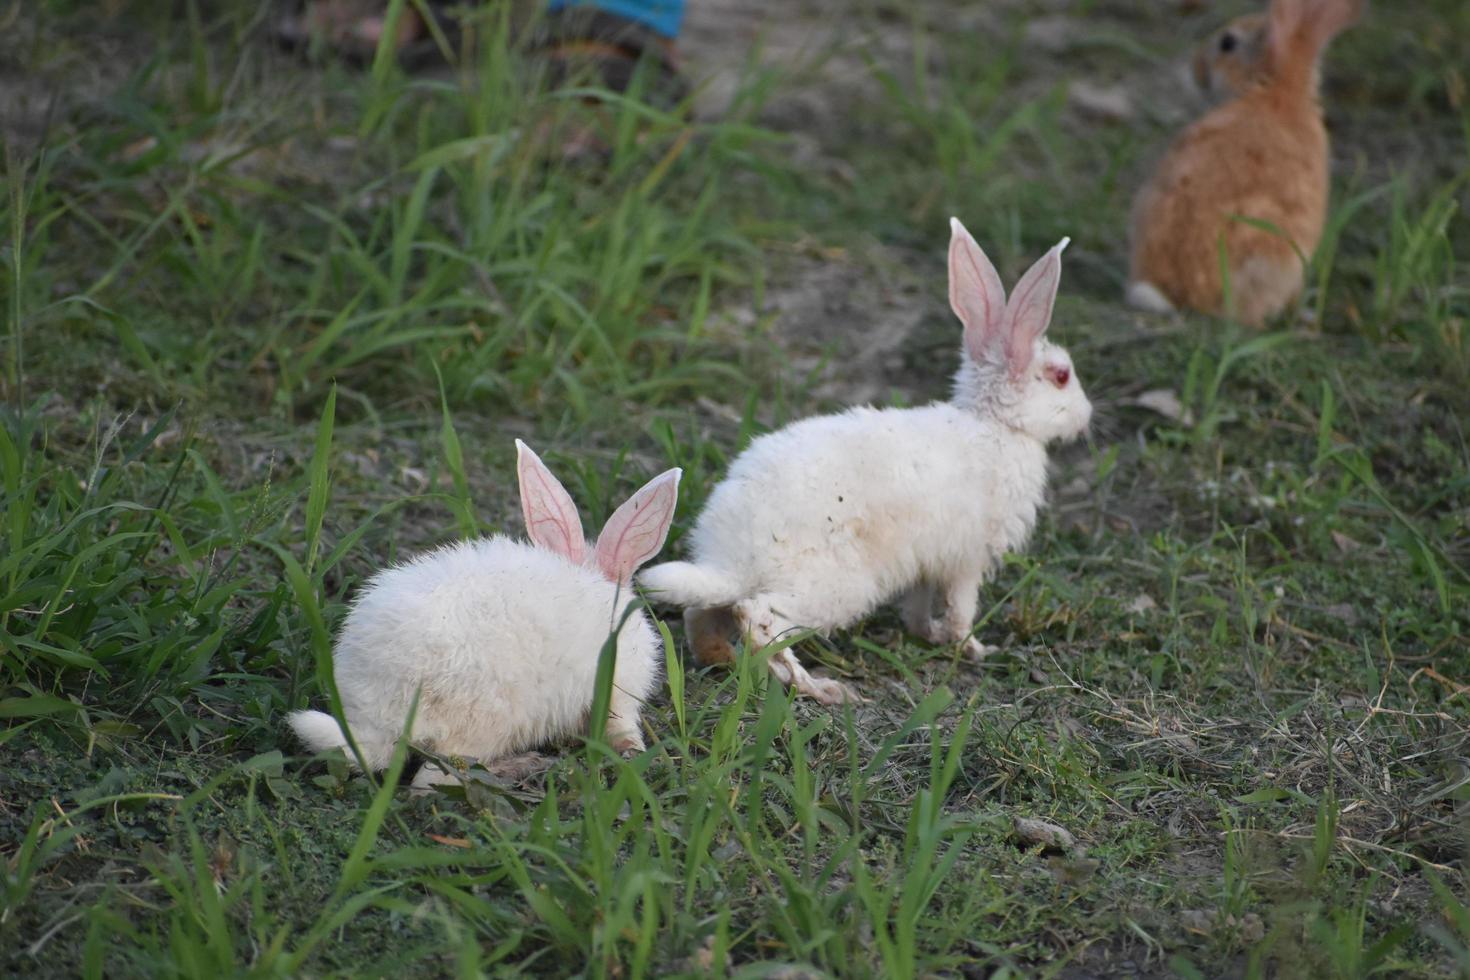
[[1058, 375]]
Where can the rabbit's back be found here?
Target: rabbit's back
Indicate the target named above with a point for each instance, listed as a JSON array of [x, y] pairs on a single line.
[[1251, 159], [500, 638]]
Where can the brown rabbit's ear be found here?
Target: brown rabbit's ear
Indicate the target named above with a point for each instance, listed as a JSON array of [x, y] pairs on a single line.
[[636, 530], [975, 292], [551, 517], [1028, 314], [1298, 30], [1328, 18], [1283, 21]]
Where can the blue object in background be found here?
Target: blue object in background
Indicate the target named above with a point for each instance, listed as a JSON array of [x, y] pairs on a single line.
[[661, 16]]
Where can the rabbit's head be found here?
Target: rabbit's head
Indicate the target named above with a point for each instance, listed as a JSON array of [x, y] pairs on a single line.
[[1010, 371], [1231, 59], [1280, 47], [633, 534]]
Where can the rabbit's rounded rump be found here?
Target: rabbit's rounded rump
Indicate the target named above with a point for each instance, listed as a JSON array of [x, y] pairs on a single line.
[[500, 640]]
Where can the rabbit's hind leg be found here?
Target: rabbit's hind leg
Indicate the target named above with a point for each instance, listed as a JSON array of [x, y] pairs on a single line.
[[764, 626]]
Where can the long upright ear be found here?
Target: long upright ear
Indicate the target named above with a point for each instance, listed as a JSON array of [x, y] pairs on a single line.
[[551, 517], [1285, 21], [975, 292], [1328, 18], [636, 530], [1298, 31], [1028, 314]]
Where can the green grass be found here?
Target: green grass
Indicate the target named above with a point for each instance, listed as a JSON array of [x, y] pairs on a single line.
[[269, 326]]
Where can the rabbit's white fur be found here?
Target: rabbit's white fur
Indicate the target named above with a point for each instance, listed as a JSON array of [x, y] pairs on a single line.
[[499, 639], [819, 522]]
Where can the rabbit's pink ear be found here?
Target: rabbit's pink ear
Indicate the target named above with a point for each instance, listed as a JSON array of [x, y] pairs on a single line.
[[551, 517], [975, 292], [1028, 314], [636, 530]]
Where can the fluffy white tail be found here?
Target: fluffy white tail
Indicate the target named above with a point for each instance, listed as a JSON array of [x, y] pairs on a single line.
[[1146, 296], [685, 584], [318, 730]]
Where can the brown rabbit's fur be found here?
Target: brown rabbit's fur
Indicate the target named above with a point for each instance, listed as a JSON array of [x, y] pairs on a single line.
[[1262, 155]]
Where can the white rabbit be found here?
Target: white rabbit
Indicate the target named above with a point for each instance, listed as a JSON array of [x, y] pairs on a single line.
[[817, 523], [499, 638]]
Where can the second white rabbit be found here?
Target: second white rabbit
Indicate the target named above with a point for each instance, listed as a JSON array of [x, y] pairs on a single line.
[[499, 639], [818, 523]]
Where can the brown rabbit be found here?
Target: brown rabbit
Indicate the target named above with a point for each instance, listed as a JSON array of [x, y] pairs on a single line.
[[1262, 155]]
